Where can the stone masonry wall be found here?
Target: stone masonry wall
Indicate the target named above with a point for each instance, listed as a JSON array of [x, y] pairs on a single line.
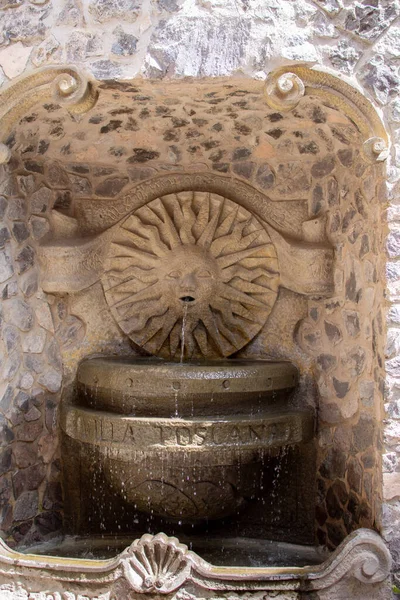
[[31, 367], [167, 39]]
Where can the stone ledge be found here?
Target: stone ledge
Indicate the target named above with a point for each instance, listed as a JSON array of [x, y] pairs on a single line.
[[159, 565]]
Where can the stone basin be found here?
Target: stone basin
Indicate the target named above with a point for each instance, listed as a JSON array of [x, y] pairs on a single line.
[[153, 387], [167, 439]]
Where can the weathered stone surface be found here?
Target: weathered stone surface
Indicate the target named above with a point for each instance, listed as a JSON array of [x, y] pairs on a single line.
[[292, 179], [341, 387], [54, 356], [13, 59], [336, 533], [323, 167], [28, 431], [5, 460], [333, 332], [391, 485], [326, 361], [24, 455], [33, 414], [26, 184], [3, 206], [41, 200], [51, 380], [57, 177], [202, 58], [11, 337], [351, 287], [34, 341], [334, 465], [103, 11], [28, 479], [26, 381], [111, 187], [125, 43], [336, 499], [29, 283], [244, 169], [81, 45], [26, 506], [40, 227], [43, 315], [70, 332], [20, 231], [381, 79], [20, 314], [11, 365], [4, 235], [355, 360], [265, 177], [367, 393], [344, 56], [80, 185], [47, 446], [352, 322], [25, 259], [369, 20], [48, 51], [17, 208], [363, 433], [106, 69], [354, 475], [52, 499], [72, 14], [6, 265], [48, 522]]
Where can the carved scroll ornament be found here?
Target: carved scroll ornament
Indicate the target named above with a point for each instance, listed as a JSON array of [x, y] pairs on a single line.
[[190, 271], [285, 87], [65, 85], [161, 565]]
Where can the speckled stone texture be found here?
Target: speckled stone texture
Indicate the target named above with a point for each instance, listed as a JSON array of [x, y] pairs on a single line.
[[172, 39]]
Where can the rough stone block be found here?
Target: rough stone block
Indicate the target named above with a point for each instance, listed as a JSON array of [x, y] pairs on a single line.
[[19, 313], [6, 265], [26, 506], [51, 380]]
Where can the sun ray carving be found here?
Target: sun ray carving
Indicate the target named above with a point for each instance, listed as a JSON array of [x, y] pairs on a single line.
[[191, 275]]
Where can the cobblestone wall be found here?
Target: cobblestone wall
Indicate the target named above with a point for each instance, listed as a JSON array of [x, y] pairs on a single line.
[[206, 38], [31, 367]]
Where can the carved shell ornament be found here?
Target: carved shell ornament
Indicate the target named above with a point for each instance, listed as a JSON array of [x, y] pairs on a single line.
[[156, 564], [191, 275]]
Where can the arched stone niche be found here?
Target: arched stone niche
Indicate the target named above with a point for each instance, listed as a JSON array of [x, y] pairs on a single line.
[[303, 151]]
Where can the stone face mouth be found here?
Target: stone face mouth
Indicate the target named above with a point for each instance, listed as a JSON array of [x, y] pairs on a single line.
[[187, 299]]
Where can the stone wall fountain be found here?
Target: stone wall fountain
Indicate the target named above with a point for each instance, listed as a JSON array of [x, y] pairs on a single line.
[[216, 316], [192, 277]]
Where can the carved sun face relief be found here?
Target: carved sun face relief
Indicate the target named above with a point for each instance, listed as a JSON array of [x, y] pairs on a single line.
[[191, 275]]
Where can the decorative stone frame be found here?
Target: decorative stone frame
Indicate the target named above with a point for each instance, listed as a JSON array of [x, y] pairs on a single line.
[[284, 89]]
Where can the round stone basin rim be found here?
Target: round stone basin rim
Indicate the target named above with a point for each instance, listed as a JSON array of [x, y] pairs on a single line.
[[152, 376]]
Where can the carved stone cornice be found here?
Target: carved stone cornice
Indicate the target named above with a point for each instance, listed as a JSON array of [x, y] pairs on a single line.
[[286, 86], [64, 85], [161, 565]]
